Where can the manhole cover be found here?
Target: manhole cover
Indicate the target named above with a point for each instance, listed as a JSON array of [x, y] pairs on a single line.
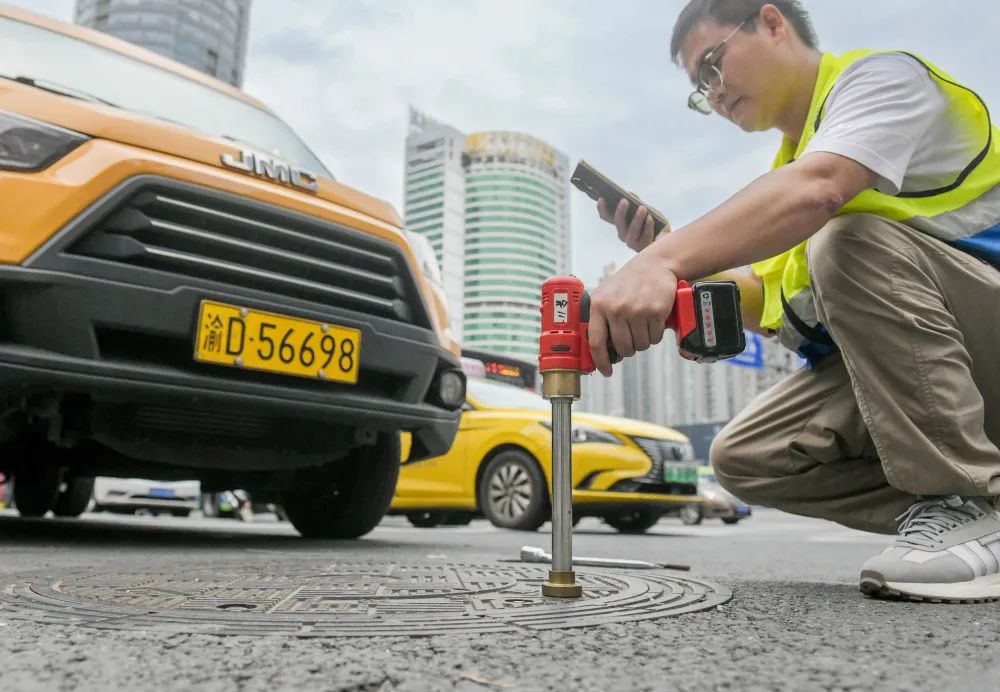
[[323, 599]]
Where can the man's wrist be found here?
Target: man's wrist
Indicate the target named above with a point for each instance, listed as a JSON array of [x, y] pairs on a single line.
[[661, 249]]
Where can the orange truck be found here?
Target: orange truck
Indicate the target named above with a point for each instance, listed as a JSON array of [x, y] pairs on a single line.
[[187, 293]]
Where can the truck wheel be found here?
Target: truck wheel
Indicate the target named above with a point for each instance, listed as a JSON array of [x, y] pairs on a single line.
[[513, 493], [36, 490], [691, 514], [348, 498], [426, 520], [632, 521], [73, 501]]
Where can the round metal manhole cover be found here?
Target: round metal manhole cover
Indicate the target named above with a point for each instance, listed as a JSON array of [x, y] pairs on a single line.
[[324, 599]]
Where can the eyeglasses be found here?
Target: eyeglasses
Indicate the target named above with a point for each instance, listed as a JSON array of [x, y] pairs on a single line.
[[709, 74]]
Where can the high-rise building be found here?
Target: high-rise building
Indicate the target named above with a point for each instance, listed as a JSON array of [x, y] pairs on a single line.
[[434, 202], [208, 35], [495, 207]]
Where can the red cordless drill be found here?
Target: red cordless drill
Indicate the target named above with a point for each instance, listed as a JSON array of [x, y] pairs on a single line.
[[706, 318]]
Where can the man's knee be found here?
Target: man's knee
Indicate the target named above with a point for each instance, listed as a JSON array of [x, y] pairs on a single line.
[[732, 460], [834, 251]]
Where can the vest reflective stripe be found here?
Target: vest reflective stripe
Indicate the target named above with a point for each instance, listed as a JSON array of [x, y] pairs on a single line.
[[964, 212]]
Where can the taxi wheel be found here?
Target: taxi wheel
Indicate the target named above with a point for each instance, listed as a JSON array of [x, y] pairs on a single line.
[[632, 521], [426, 520], [691, 514], [73, 500], [513, 493], [348, 498], [730, 520]]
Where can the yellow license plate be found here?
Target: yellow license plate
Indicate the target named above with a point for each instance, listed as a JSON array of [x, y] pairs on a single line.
[[254, 340]]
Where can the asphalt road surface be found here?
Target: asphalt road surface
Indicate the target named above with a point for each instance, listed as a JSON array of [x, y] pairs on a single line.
[[796, 620]]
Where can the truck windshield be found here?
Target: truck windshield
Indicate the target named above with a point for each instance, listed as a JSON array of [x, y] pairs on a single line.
[[38, 56]]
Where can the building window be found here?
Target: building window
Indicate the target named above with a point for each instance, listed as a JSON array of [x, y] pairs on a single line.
[[212, 62]]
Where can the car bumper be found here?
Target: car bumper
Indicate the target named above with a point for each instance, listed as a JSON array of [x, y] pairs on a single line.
[[125, 336], [715, 510]]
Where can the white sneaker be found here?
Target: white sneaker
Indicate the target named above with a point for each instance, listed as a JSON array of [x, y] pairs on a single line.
[[948, 550]]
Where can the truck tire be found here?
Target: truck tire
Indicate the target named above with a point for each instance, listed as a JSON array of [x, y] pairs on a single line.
[[513, 493], [36, 490], [348, 498], [633, 520], [73, 501]]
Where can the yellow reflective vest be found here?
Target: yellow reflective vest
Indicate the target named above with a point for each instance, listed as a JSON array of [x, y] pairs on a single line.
[[964, 213]]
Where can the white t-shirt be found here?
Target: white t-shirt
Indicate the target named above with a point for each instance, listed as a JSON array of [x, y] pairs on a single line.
[[888, 114]]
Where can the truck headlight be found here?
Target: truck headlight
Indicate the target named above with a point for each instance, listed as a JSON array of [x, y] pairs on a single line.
[[30, 145], [449, 389]]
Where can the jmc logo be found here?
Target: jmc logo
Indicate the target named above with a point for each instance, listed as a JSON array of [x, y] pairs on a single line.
[[266, 167]]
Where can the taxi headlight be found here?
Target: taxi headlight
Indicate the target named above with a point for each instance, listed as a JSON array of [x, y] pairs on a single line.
[[30, 145], [583, 433]]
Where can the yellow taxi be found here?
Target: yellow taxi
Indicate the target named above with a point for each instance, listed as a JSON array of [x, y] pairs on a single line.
[[626, 471]]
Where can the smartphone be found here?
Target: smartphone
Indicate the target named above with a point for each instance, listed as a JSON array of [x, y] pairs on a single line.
[[596, 185]]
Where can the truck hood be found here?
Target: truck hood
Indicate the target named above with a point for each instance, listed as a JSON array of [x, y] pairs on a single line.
[[146, 132]]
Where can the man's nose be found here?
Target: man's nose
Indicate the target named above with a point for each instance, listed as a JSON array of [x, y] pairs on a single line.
[[717, 97]]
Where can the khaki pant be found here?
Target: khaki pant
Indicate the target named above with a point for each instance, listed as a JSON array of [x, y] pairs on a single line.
[[911, 406]]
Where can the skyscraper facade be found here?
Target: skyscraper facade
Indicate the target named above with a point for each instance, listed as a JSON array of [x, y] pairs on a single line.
[[495, 207], [208, 35]]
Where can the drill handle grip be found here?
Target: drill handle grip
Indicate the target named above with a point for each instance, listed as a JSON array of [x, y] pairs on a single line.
[[681, 319]]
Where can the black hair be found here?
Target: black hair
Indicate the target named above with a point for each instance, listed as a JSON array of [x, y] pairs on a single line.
[[732, 12]]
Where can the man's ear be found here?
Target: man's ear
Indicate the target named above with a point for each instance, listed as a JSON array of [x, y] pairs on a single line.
[[773, 23]]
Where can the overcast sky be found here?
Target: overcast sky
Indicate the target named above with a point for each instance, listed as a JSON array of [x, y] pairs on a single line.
[[594, 79]]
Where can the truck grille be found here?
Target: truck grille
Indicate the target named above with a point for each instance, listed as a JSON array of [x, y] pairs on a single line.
[[208, 235]]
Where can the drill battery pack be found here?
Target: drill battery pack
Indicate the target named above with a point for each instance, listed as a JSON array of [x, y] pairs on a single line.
[[708, 322]]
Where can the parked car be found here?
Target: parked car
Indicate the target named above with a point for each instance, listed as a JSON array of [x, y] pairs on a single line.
[[186, 292], [128, 495], [628, 472], [717, 502]]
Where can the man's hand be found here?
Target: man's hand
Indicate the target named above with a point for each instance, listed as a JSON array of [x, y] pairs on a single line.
[[630, 310], [638, 234]]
